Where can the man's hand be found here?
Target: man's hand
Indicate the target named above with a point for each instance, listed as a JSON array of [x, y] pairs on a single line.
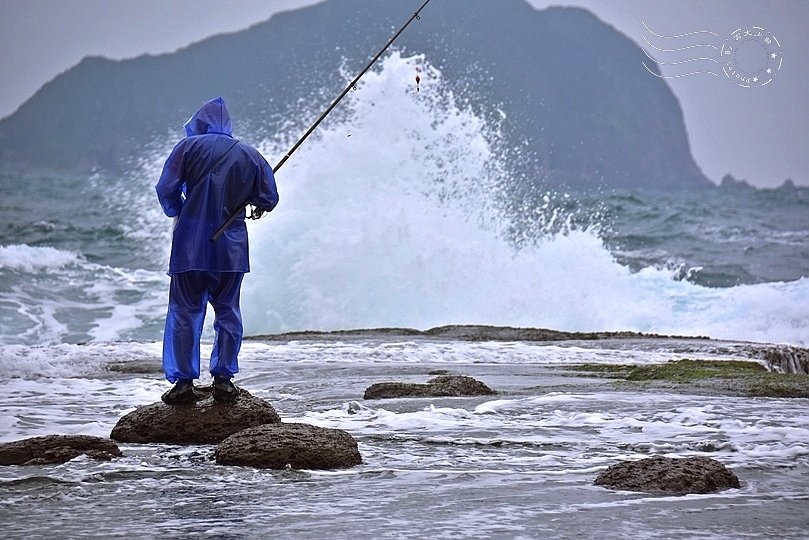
[[256, 212]]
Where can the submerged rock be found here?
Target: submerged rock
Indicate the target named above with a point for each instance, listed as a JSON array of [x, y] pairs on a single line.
[[204, 422], [300, 446], [443, 386], [677, 476], [56, 449]]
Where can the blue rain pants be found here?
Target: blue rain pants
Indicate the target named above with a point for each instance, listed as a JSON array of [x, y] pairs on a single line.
[[189, 295]]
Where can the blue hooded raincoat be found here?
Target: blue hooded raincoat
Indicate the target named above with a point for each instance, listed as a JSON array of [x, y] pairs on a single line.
[[206, 178]]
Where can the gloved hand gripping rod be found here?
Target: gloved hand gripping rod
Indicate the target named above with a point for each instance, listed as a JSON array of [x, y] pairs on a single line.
[[309, 131]]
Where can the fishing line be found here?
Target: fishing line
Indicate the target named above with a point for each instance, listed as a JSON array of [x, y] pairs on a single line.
[[348, 88], [452, 40]]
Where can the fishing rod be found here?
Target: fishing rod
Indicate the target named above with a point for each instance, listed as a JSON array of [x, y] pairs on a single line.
[[352, 84]]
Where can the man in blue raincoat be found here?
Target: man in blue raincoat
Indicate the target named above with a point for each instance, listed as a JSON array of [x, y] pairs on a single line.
[[206, 178]]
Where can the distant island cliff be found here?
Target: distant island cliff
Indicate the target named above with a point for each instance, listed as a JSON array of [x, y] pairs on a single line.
[[578, 102]]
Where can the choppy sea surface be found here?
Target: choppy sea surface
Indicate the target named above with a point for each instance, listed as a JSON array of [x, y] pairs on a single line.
[[390, 217], [517, 465]]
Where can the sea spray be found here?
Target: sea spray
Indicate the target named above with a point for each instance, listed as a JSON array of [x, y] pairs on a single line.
[[368, 234], [401, 211]]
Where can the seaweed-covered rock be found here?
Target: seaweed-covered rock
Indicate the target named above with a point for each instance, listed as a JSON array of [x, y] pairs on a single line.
[[56, 449], [204, 422], [443, 386], [300, 446], [677, 476]]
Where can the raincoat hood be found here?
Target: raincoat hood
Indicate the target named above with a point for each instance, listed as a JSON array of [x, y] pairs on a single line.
[[212, 117]]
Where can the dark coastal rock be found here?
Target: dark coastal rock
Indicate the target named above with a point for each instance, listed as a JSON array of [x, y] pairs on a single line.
[[788, 359], [443, 386], [300, 446], [729, 182], [677, 476], [52, 449], [457, 332], [788, 185], [204, 422]]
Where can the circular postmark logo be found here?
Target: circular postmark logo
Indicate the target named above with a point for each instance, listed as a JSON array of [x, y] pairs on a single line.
[[751, 56]]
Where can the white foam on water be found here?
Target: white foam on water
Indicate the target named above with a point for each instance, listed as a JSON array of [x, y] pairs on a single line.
[[257, 356], [56, 296], [23, 258], [88, 359], [70, 360], [630, 425], [72, 405]]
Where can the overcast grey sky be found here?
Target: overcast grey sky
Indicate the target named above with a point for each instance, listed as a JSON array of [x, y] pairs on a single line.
[[760, 134]]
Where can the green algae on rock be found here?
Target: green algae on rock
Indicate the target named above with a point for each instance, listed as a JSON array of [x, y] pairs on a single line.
[[736, 377]]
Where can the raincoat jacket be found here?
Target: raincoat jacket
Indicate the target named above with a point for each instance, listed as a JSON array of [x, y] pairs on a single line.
[[205, 179]]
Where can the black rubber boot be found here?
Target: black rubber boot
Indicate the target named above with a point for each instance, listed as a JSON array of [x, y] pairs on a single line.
[[182, 394], [223, 389]]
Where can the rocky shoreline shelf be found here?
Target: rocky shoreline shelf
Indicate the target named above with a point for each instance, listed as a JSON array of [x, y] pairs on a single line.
[[780, 358]]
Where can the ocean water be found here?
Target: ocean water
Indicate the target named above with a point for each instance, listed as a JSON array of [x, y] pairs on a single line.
[[398, 213], [517, 465], [395, 215]]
